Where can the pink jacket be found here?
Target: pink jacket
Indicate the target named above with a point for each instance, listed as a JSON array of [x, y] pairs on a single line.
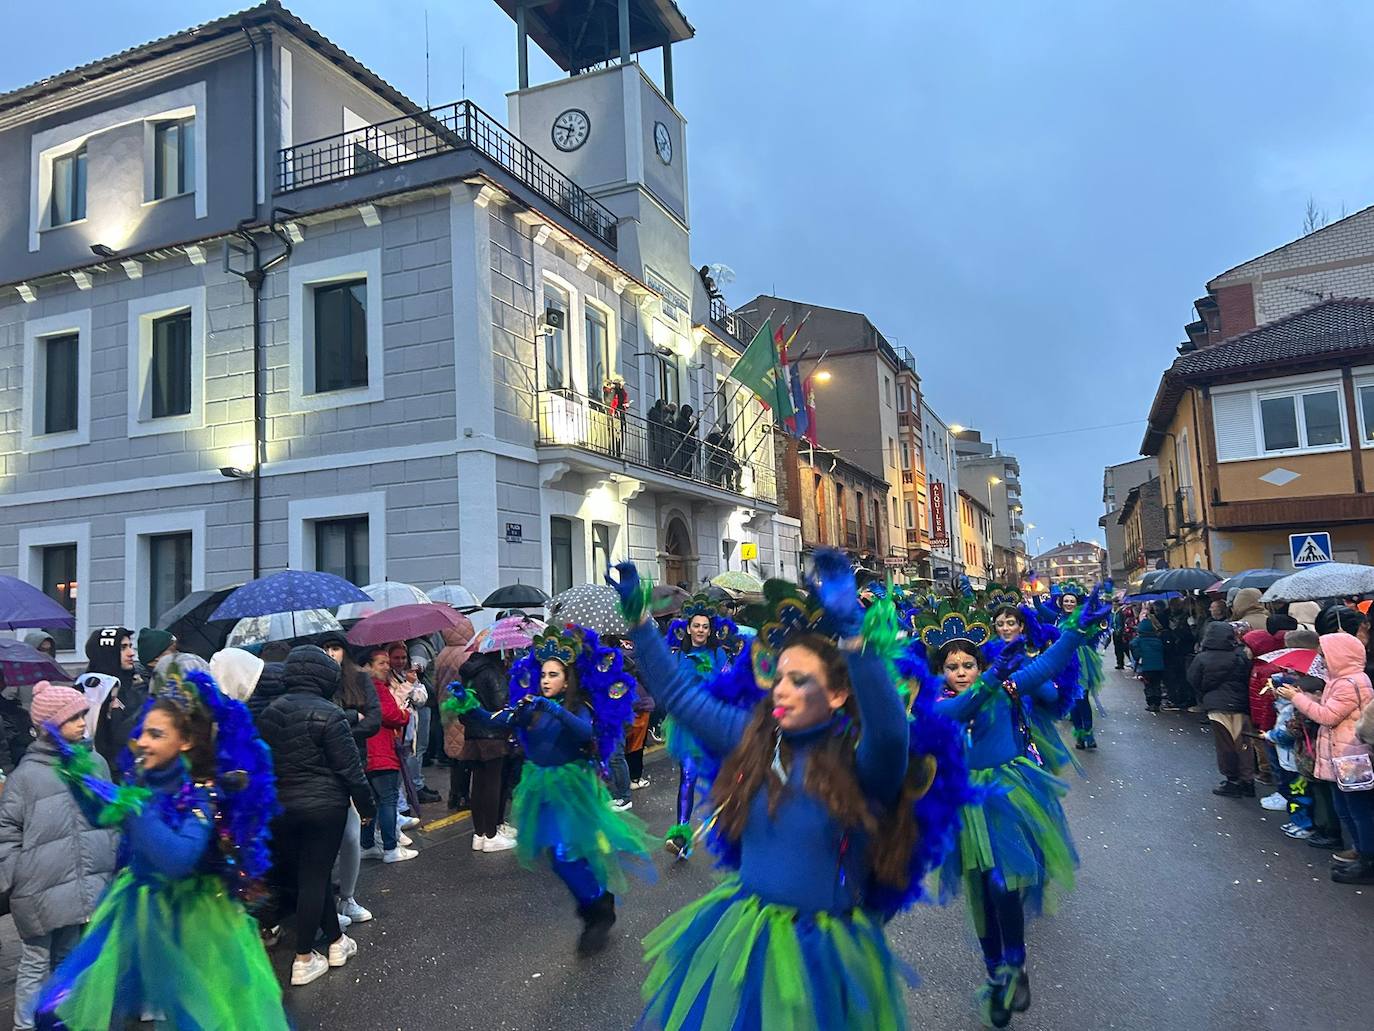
[[1347, 693]]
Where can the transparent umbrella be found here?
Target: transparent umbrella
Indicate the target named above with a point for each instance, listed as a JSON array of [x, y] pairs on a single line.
[[388, 594], [456, 595], [281, 626]]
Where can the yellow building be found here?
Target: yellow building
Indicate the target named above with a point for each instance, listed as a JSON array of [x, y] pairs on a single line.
[[975, 529], [1265, 435]]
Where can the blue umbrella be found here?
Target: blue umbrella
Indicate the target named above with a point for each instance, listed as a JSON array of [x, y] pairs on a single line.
[[290, 591], [24, 605]]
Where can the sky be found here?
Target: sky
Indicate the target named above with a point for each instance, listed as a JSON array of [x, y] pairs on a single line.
[[1028, 197]]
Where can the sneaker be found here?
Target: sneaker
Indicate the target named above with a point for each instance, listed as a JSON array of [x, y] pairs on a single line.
[[404, 823], [344, 921], [498, 842], [1274, 803], [313, 968], [427, 795], [270, 936], [1247, 789], [1348, 856], [506, 829], [1325, 841], [678, 846], [403, 839], [1300, 833], [1228, 789], [454, 804], [342, 951], [477, 842], [1091, 742], [1361, 871], [399, 854], [638, 785], [356, 913], [621, 804], [375, 852]]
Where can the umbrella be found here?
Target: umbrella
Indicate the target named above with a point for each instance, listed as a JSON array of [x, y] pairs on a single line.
[[24, 605], [23, 665], [282, 626], [1136, 599], [385, 595], [1328, 580], [516, 596], [456, 595], [1260, 578], [291, 590], [1299, 660], [1186, 579], [405, 622], [505, 635], [595, 606], [738, 582], [668, 600], [190, 623]]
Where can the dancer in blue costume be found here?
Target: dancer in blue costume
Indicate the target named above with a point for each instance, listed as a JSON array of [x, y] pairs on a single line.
[[171, 941], [570, 699], [1065, 598], [708, 641], [1015, 854], [830, 803]]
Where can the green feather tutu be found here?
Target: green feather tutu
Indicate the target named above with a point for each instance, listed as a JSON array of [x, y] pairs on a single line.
[[568, 808], [1018, 836], [1090, 662], [731, 962], [183, 949]]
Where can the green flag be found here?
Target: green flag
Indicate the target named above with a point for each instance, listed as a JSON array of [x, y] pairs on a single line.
[[759, 369]]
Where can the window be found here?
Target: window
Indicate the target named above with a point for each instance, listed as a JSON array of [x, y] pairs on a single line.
[[902, 393], [169, 572], [68, 188], [61, 371], [910, 515], [1284, 418], [906, 455], [556, 373], [598, 344], [170, 371], [341, 548], [59, 584], [891, 451], [601, 549], [174, 163], [887, 391], [340, 336], [560, 553], [1301, 421], [1366, 395], [668, 373]]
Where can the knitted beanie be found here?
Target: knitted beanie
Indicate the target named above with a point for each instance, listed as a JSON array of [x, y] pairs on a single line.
[[55, 704], [151, 644]]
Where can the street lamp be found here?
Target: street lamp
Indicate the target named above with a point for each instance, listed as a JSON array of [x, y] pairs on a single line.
[[992, 481]]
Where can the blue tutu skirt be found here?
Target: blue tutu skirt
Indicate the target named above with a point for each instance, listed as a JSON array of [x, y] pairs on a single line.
[[732, 962]]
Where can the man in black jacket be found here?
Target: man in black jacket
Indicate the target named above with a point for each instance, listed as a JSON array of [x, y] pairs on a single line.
[[318, 771], [1220, 678]]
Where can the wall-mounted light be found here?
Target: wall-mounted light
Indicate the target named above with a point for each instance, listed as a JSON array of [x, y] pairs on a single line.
[[241, 463], [100, 250], [823, 376]]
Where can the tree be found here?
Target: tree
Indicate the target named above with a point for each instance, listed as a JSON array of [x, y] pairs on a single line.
[[1313, 218]]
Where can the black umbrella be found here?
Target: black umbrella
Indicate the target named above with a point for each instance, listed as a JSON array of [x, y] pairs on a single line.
[[190, 623], [516, 596], [1187, 579]]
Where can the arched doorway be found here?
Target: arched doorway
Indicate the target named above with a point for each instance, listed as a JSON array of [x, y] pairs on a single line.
[[677, 553]]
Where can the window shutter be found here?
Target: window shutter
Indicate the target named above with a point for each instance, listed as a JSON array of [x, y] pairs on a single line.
[[1233, 420]]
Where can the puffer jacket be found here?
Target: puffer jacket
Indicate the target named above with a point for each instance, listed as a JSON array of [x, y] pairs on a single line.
[[485, 677], [271, 686], [1220, 673], [1262, 711], [1147, 647], [1346, 695], [53, 864], [313, 754]]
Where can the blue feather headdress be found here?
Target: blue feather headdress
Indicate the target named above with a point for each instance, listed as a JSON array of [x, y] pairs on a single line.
[[952, 620], [724, 632]]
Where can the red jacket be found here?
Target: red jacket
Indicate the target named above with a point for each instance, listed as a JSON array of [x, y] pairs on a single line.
[[381, 746], [1262, 712]]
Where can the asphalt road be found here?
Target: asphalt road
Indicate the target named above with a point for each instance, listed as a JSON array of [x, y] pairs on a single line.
[[1191, 912]]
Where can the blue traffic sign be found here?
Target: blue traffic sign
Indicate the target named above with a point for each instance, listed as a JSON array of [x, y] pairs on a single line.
[[1309, 549]]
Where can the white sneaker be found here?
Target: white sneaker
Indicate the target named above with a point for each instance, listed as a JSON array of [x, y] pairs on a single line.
[[1275, 802], [402, 838], [498, 842], [314, 967], [355, 913], [404, 823], [399, 854], [342, 951], [375, 852], [344, 922], [636, 785], [621, 804], [506, 829], [477, 842]]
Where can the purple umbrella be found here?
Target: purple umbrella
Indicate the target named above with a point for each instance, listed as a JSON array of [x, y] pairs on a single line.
[[289, 591], [23, 665], [24, 605], [403, 623]]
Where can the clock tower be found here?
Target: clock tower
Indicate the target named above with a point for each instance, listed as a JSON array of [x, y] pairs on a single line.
[[608, 126]]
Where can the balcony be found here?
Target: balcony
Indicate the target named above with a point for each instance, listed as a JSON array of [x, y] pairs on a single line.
[[437, 131], [909, 420], [571, 420], [851, 534], [906, 477], [728, 321]]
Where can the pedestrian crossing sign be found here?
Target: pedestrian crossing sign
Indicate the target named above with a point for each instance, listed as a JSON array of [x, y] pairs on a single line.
[[1308, 549]]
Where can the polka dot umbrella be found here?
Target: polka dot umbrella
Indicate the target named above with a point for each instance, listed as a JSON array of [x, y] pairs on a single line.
[[591, 605]]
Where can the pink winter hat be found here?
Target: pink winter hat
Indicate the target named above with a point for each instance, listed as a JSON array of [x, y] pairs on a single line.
[[55, 704]]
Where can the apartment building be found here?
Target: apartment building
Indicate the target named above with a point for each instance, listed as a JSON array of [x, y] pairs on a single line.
[[1117, 483], [996, 477]]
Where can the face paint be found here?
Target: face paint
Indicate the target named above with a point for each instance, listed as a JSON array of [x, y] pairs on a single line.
[[960, 670], [802, 697]]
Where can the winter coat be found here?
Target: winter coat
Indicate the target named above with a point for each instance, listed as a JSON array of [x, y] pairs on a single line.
[[1179, 642], [53, 864], [1262, 711], [313, 754], [1249, 610], [1147, 647], [1337, 712], [449, 662], [1364, 730], [1220, 673], [486, 677], [16, 727], [381, 746], [271, 686]]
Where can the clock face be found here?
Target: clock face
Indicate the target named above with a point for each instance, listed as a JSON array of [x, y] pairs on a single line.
[[663, 143], [571, 129]]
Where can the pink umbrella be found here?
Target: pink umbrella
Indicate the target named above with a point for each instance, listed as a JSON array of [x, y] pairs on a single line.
[[403, 623], [506, 635], [1299, 660]]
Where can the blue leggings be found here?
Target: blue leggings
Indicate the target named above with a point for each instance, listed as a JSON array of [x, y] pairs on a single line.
[[577, 875], [1082, 717], [1004, 927], [686, 790]]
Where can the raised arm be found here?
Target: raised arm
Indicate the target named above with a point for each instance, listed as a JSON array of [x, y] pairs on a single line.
[[1033, 679], [716, 726], [963, 706], [881, 758]]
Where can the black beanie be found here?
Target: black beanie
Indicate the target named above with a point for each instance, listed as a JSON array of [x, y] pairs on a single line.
[[102, 650]]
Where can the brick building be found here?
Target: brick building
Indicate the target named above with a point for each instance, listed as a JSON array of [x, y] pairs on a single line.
[[1143, 528], [837, 503]]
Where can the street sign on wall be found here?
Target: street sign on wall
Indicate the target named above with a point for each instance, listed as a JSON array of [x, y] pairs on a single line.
[[1309, 549]]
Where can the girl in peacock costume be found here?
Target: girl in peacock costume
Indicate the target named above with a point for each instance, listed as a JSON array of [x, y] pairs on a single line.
[[1014, 851], [834, 797], [707, 642], [1065, 598], [171, 940], [570, 698]]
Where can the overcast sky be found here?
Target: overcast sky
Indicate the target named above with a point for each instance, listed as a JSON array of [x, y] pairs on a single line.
[[1027, 196]]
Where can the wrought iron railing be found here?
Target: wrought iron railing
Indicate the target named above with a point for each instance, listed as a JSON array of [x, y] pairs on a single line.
[[734, 324], [568, 419], [437, 131]]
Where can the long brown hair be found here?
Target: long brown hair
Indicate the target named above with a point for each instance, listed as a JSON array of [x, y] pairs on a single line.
[[193, 724], [830, 778]]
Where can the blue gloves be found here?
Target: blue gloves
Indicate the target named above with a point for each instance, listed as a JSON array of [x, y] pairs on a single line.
[[635, 594], [1095, 609], [833, 584], [1003, 666]]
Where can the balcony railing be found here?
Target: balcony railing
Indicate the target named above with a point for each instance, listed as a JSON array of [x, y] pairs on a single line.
[[567, 419], [906, 477], [437, 131], [731, 322]]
